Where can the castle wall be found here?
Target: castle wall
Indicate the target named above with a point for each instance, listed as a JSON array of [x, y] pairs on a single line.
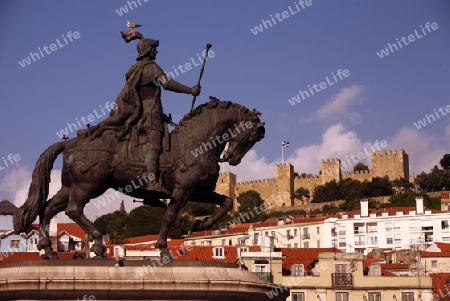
[[331, 170], [309, 183], [279, 190], [391, 163], [360, 175]]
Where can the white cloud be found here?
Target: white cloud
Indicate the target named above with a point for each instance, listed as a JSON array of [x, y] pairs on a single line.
[[340, 105], [17, 182], [424, 148]]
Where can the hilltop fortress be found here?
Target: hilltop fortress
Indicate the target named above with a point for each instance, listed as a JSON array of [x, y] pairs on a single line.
[[279, 191]]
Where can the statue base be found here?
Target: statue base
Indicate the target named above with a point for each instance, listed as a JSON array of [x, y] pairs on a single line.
[[136, 280]]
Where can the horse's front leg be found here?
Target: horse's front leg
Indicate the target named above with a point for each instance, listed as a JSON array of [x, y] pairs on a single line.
[[178, 200], [225, 203]]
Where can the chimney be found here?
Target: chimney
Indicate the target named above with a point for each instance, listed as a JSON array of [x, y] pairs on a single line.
[[419, 205], [364, 208]]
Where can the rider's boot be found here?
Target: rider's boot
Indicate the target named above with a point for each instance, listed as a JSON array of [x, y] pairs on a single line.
[[152, 160]]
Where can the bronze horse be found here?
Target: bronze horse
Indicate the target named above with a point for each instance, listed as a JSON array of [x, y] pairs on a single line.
[[189, 170]]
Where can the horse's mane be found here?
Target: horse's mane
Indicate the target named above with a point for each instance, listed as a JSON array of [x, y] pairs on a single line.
[[212, 104]]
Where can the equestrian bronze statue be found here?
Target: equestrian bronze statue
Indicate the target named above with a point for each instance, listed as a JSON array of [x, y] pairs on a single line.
[[133, 152]]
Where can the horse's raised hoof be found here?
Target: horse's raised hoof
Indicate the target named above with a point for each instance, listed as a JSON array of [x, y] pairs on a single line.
[[154, 203]]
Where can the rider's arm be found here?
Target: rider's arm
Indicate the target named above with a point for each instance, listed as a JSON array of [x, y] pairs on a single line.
[[172, 85]]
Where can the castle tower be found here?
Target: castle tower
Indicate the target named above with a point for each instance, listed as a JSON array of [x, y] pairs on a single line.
[[391, 163], [284, 178], [331, 170], [226, 185]]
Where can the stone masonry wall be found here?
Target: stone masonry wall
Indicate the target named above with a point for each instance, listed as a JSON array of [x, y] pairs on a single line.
[[278, 191]]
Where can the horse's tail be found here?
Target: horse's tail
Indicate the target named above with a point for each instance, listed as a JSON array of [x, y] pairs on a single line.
[[38, 191]]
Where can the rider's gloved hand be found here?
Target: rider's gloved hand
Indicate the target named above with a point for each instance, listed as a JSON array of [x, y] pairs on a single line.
[[195, 90]]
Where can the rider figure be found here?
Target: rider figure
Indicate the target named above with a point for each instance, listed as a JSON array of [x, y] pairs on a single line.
[[149, 89], [152, 78]]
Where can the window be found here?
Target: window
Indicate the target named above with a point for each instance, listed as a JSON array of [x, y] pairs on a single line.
[[222, 242], [408, 296], [341, 296], [318, 243], [434, 263], [272, 233], [305, 233], [288, 234], [218, 252], [298, 296], [289, 246], [389, 240], [317, 230], [305, 244], [261, 269], [14, 243], [242, 250], [374, 296], [340, 268], [255, 238], [295, 232], [444, 224], [297, 270], [296, 245]]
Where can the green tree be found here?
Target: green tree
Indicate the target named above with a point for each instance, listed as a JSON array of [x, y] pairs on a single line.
[[114, 224], [445, 162], [403, 183], [247, 202], [198, 209], [379, 186], [328, 192], [436, 180], [301, 193], [360, 166]]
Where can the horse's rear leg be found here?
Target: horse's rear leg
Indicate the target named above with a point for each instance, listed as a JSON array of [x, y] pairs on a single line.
[[178, 200], [80, 195], [225, 203], [52, 207]]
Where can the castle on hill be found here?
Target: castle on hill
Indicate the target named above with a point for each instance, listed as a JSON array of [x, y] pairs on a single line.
[[278, 191]]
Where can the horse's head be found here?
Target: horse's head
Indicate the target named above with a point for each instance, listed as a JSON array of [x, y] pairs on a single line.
[[244, 136]]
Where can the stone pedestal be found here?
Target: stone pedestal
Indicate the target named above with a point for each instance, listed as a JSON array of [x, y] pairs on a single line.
[[137, 280]]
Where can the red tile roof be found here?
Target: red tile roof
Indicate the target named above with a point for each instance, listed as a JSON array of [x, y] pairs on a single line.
[[445, 247], [434, 254], [73, 229], [205, 253], [394, 266], [304, 256], [441, 283], [445, 195], [7, 208], [142, 239], [368, 262], [27, 256]]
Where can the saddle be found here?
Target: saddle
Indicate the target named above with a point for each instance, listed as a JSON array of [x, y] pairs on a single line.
[[131, 150]]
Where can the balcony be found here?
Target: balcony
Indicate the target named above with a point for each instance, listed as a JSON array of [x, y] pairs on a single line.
[[342, 279], [305, 236], [267, 277]]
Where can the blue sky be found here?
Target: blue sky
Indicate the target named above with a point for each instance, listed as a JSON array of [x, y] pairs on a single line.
[[381, 99]]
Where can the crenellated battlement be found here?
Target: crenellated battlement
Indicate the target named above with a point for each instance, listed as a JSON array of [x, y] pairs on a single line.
[[263, 181], [389, 152], [358, 172], [335, 160]]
